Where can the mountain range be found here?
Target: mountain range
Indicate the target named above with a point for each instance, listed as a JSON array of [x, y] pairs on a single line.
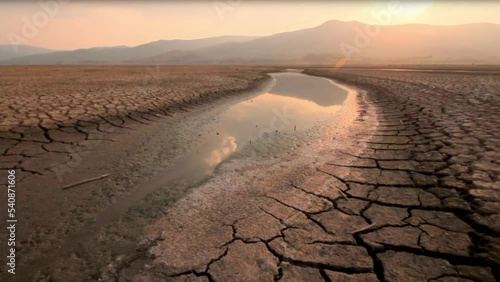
[[324, 44], [9, 51]]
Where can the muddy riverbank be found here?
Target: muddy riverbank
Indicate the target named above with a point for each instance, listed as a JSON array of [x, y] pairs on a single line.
[[399, 182], [96, 137], [409, 193], [86, 226]]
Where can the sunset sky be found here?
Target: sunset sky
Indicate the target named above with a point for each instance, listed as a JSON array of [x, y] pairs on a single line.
[[77, 24]]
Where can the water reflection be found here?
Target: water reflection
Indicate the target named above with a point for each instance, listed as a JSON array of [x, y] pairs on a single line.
[[269, 112], [217, 155], [294, 104], [320, 91]]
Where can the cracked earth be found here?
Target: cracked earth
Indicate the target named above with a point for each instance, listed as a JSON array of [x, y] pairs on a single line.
[[408, 190], [411, 195], [60, 125], [46, 114]]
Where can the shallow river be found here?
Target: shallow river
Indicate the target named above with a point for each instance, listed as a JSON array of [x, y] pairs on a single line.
[[266, 124], [294, 104], [291, 111]]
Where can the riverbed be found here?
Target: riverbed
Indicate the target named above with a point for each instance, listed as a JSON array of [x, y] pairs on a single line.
[[228, 144]]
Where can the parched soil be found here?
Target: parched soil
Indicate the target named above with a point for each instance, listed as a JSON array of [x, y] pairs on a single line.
[[406, 188], [44, 108], [62, 125], [437, 142], [411, 194]]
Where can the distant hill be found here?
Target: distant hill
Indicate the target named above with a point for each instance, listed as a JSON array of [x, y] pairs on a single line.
[[328, 43], [324, 44], [121, 54], [9, 51]]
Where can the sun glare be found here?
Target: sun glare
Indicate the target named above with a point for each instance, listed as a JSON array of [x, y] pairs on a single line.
[[412, 10]]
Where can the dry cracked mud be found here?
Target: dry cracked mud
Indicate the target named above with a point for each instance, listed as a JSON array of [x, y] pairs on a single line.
[[58, 124], [48, 113], [414, 197], [413, 194]]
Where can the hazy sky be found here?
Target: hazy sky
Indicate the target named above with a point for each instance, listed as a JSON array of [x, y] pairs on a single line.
[[78, 24]]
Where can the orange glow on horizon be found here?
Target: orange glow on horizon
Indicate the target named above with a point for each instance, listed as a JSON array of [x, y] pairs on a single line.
[[89, 24]]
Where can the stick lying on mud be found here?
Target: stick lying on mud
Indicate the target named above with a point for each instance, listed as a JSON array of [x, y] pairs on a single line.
[[86, 181], [341, 192], [364, 228]]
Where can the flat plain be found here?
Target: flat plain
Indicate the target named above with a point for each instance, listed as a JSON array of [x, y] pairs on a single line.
[[412, 193], [57, 124]]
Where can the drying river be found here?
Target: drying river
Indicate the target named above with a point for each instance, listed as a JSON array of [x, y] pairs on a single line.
[[264, 125], [294, 104], [290, 112]]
